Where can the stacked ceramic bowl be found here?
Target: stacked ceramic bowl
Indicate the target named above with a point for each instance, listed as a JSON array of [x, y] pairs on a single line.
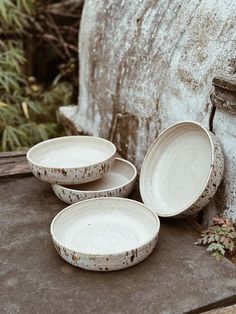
[[103, 231], [82, 167]]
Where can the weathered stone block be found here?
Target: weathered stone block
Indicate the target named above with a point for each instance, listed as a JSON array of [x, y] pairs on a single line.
[[145, 65]]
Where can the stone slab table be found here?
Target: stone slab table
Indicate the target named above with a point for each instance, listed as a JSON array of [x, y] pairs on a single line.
[[177, 278]]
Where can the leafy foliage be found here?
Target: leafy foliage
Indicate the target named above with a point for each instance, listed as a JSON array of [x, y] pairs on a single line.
[[15, 15], [28, 109], [220, 238]]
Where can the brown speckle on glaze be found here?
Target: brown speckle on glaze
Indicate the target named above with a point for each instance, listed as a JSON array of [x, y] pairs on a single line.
[[213, 182], [100, 263], [72, 175], [63, 171]]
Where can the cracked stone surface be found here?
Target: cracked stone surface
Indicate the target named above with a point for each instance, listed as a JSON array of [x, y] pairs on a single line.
[[177, 278], [145, 65], [225, 130]]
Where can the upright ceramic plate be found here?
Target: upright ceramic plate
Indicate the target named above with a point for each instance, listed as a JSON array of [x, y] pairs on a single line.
[[71, 159], [182, 170], [105, 234], [118, 182]]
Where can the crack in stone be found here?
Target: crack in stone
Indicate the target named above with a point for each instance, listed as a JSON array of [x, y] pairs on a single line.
[[211, 118]]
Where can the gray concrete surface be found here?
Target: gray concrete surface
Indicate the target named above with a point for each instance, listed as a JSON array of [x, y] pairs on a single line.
[[177, 278]]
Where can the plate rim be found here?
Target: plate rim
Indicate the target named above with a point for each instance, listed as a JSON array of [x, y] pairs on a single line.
[[104, 190], [100, 199], [142, 174], [67, 137]]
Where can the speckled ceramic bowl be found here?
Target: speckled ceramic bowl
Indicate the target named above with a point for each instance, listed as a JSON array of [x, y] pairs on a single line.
[[182, 170], [118, 182], [71, 159], [104, 234]]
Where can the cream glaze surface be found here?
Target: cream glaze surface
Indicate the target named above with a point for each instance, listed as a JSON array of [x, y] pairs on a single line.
[[71, 159], [105, 233], [178, 167]]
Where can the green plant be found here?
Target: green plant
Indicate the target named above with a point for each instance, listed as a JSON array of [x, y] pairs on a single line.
[[220, 238], [15, 16], [28, 109]]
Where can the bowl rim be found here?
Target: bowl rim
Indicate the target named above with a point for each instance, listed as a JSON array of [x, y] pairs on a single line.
[[155, 216], [104, 190], [142, 173], [68, 137]]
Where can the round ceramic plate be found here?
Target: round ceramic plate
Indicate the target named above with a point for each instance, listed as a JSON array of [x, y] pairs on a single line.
[[182, 170], [71, 159], [118, 182], [107, 233]]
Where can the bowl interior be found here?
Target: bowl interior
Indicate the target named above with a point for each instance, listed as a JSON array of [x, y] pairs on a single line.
[[71, 152], [105, 226], [121, 173], [176, 169]]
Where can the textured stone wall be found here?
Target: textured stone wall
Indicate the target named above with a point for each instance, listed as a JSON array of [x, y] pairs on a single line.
[[145, 65], [223, 98]]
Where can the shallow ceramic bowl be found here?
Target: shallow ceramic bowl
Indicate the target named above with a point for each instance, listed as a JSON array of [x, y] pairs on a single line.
[[118, 182], [182, 170], [71, 159], [107, 233]]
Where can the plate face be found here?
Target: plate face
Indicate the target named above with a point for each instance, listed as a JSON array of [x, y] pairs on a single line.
[[105, 233], [177, 168], [118, 182], [71, 159]]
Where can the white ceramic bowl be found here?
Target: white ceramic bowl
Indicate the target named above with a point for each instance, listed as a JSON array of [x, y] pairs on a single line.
[[104, 234], [182, 170], [71, 159], [118, 182]]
